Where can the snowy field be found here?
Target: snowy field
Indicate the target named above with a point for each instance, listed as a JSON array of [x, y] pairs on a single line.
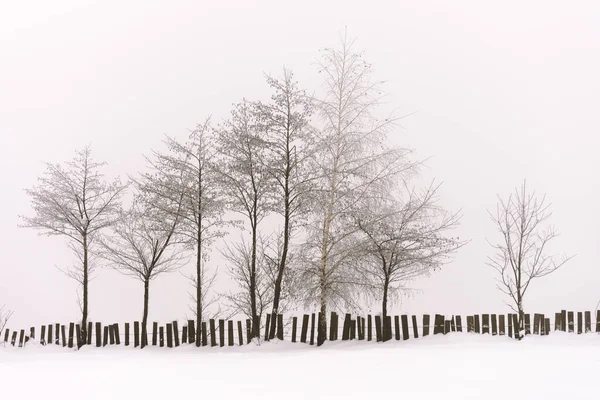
[[456, 366]]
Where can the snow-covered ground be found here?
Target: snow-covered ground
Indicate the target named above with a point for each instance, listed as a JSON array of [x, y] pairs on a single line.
[[455, 366]]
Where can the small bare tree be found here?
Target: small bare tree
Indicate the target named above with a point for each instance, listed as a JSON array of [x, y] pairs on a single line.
[[4, 318], [144, 240], [76, 202], [404, 239], [286, 122], [522, 254], [247, 184], [203, 206]]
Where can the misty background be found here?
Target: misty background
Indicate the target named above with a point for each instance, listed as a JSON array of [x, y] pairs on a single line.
[[493, 93]]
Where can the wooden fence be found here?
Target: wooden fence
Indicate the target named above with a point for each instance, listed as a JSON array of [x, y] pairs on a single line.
[[231, 333]]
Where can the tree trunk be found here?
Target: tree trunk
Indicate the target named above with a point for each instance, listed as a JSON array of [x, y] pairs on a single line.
[[255, 317], [84, 317], [145, 316], [199, 282], [386, 284]]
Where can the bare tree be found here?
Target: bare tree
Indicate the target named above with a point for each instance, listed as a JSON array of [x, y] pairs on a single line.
[[76, 202], [522, 254], [4, 318], [404, 239], [203, 205], [286, 121], [353, 162], [145, 239], [208, 300], [247, 183]]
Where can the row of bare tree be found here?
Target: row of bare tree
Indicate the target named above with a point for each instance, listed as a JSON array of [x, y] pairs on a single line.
[[351, 224]]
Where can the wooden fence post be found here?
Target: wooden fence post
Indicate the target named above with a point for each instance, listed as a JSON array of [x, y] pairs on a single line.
[[598, 321], [71, 333], [494, 325], [397, 327], [563, 320], [42, 336], [346, 327], [22, 338], [312, 329], [547, 325], [579, 322], [304, 329], [240, 333], [470, 324], [192, 332], [213, 333], [117, 338], [230, 333], [415, 327], [404, 319], [294, 326], [369, 328], [98, 334], [452, 324], [557, 322], [571, 318], [267, 326], [154, 333], [378, 328], [136, 334], [458, 323], [359, 328], [485, 324], [426, 319], [57, 334], [162, 336], [446, 326], [32, 333], [106, 336], [127, 335], [184, 334], [175, 334], [205, 335], [332, 327], [527, 318], [13, 340], [477, 329], [386, 333], [49, 341], [6, 333], [78, 336], [111, 332], [438, 324], [280, 326], [510, 325], [63, 334]]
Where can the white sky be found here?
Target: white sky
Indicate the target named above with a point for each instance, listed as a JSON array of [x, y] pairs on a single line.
[[500, 93]]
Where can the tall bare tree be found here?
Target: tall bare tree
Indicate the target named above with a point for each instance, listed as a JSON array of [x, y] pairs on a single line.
[[247, 183], [203, 205], [76, 202], [522, 253], [4, 318], [404, 239], [145, 239], [286, 121], [353, 161]]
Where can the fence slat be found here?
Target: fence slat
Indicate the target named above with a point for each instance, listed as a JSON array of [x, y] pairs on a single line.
[[501, 325], [470, 324], [49, 341], [184, 334], [494, 324], [22, 338], [127, 335], [213, 333], [477, 326], [57, 334], [397, 327], [571, 318], [485, 324], [63, 334], [267, 326], [426, 319], [42, 336], [204, 334], [111, 332], [369, 328], [446, 326], [136, 333], [222, 332], [175, 334], [78, 336], [230, 333], [458, 323], [332, 327], [162, 336], [71, 333], [13, 340], [510, 325], [527, 318], [547, 326], [598, 321], [117, 337], [294, 326], [240, 333], [404, 319], [378, 328], [579, 322], [386, 333], [6, 334], [415, 327], [191, 330], [98, 334], [105, 342], [312, 329], [154, 333], [280, 326], [346, 327], [452, 325]]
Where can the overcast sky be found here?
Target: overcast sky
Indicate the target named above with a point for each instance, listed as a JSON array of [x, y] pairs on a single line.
[[497, 93]]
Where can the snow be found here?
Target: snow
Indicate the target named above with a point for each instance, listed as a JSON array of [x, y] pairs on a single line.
[[455, 366]]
